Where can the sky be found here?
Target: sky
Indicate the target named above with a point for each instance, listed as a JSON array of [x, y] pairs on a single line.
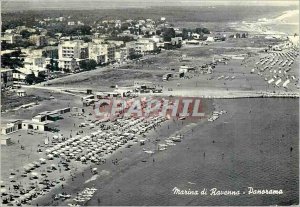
[[98, 4]]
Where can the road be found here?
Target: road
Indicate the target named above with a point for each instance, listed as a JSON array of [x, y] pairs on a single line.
[[204, 93]]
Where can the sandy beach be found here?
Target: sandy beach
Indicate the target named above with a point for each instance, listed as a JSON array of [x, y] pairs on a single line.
[[247, 141], [241, 148]]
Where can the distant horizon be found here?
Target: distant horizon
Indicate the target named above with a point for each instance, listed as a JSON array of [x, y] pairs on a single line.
[[23, 5]]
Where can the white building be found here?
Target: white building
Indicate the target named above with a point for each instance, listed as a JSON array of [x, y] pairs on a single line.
[[110, 50], [144, 45], [121, 54], [70, 53], [210, 39], [97, 52], [72, 23], [32, 62], [20, 74], [11, 38], [38, 40]]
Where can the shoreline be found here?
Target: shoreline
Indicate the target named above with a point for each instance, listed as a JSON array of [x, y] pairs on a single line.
[[261, 25], [111, 183]]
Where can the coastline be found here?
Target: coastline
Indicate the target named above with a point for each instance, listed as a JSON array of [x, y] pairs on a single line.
[[261, 26], [124, 182]]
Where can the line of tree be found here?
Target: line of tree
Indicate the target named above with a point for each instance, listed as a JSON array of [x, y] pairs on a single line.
[[12, 60], [88, 65], [31, 78]]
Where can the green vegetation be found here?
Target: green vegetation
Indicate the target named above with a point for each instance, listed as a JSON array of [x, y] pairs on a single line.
[[12, 60], [168, 34], [31, 78], [88, 64], [7, 46], [135, 56], [53, 66]]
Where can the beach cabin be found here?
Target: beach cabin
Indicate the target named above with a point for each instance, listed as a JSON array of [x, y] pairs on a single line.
[[39, 126], [39, 118], [77, 110], [53, 116], [186, 69], [124, 91], [5, 141], [88, 102], [21, 93], [112, 94], [11, 127]]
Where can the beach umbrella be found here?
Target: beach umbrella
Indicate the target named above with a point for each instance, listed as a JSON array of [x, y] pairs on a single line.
[[3, 191], [36, 164], [48, 150], [27, 168], [42, 161], [50, 156], [34, 175]]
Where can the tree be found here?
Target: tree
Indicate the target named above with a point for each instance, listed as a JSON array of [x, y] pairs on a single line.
[[41, 77], [88, 64], [25, 34], [198, 30], [86, 39], [158, 32], [131, 30], [168, 34], [121, 38], [30, 79], [124, 26], [49, 67], [134, 56], [12, 60], [205, 31], [186, 33]]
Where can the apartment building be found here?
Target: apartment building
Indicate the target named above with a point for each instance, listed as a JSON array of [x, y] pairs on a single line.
[[11, 38], [38, 40], [70, 53], [6, 78], [97, 52], [144, 46]]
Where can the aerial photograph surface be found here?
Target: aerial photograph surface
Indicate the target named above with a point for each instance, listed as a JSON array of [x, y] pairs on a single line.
[[149, 103]]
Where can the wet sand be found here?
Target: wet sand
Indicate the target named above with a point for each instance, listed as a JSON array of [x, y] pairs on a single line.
[[249, 146]]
